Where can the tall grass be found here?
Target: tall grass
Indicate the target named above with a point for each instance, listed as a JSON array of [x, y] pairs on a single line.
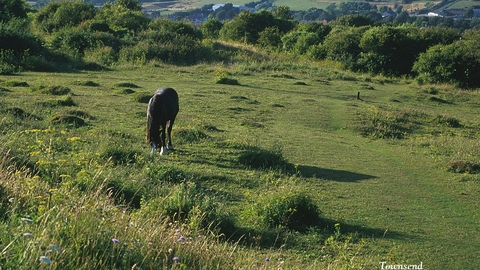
[[322, 197]]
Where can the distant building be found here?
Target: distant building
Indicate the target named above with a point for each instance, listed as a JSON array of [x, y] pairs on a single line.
[[389, 14], [217, 6]]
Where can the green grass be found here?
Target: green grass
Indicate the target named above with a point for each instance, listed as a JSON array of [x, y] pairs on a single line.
[[379, 197]]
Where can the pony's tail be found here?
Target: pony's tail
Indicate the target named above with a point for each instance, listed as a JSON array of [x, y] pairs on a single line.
[[149, 127]]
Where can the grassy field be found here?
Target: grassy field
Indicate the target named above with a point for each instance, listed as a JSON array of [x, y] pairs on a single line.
[[300, 4], [393, 173]]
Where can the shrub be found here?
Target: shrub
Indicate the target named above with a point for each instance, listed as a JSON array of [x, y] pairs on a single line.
[[73, 42], [296, 212], [455, 63], [211, 28], [57, 15], [182, 28]]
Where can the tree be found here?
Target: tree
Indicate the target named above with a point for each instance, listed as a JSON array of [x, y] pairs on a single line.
[[342, 44], [211, 28], [13, 9], [353, 20], [122, 18], [387, 50], [270, 38], [129, 4], [283, 13], [247, 26], [58, 15], [457, 63]]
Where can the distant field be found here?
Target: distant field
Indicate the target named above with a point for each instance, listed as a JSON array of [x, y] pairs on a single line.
[[294, 5]]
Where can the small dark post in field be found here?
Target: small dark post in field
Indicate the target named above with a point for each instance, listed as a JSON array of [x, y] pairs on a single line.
[[358, 95]]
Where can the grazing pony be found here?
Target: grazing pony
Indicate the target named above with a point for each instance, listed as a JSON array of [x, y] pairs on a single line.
[[162, 110]]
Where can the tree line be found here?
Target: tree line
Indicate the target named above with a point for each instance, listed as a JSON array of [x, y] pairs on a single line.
[[77, 35]]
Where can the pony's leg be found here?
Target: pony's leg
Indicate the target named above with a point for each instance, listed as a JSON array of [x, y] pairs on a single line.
[[154, 146], [163, 150], [169, 131]]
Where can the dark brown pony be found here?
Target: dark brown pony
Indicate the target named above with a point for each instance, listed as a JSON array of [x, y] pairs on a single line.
[[162, 110]]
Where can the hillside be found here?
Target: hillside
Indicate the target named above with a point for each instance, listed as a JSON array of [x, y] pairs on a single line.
[[390, 195]]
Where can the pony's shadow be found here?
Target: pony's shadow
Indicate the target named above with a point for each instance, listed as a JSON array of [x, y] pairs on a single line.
[[331, 174]]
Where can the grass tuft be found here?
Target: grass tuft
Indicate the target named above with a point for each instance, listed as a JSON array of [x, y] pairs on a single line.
[[190, 135], [86, 83], [126, 84], [15, 84], [141, 97], [258, 158], [119, 156], [55, 90], [462, 166], [295, 212], [228, 81], [71, 120]]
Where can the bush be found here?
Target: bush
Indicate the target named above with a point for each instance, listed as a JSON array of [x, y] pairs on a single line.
[[457, 63], [296, 212], [211, 28], [182, 28], [170, 47], [57, 15], [73, 42], [246, 27]]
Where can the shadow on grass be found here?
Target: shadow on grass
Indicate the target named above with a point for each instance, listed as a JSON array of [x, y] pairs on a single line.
[[269, 238], [331, 174]]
